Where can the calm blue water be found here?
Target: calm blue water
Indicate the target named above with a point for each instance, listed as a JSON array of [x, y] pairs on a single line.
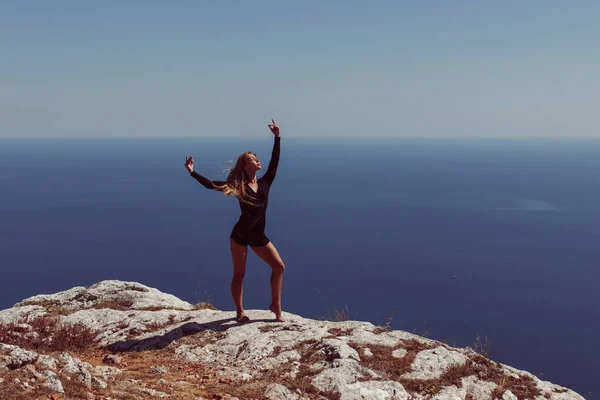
[[457, 237]]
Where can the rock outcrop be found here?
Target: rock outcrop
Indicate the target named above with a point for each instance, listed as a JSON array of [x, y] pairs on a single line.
[[124, 340]]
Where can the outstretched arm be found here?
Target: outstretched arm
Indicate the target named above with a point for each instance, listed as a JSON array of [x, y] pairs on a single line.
[[207, 183], [272, 169]]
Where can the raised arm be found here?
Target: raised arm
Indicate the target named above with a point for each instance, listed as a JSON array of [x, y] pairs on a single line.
[[207, 183], [272, 169]]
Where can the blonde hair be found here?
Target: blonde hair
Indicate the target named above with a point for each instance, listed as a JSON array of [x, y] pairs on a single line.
[[235, 185]]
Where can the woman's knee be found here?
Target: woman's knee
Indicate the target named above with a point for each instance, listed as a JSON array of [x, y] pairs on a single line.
[[238, 275], [279, 267]]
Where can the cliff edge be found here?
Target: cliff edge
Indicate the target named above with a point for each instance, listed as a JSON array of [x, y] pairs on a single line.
[[124, 340]]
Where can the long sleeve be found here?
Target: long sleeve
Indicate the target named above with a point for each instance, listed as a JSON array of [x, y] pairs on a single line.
[[207, 183], [269, 176]]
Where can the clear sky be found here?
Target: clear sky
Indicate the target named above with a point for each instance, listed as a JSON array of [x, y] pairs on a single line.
[[328, 68]]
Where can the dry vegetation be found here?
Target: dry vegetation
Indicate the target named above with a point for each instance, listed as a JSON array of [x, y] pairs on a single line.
[[339, 332], [295, 378], [381, 329], [47, 333], [393, 368], [203, 305], [338, 315], [387, 365], [189, 381], [483, 346]]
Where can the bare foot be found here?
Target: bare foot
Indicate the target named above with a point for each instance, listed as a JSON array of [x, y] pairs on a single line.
[[277, 311], [242, 318]]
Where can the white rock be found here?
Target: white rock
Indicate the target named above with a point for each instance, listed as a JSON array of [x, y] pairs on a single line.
[[335, 348], [276, 391], [31, 336], [243, 352], [73, 365], [15, 314], [453, 393], [152, 392], [374, 390], [20, 357], [46, 362], [131, 295], [508, 395], [344, 373], [107, 373], [52, 382], [432, 363], [60, 298], [99, 383], [478, 389], [243, 377], [399, 353], [545, 386], [84, 377]]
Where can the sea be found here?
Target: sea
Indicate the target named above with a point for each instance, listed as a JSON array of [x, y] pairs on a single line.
[[453, 239]]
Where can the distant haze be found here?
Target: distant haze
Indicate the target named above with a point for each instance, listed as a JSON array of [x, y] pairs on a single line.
[[386, 68]]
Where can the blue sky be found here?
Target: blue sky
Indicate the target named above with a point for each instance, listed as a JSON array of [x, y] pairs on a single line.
[[327, 68]]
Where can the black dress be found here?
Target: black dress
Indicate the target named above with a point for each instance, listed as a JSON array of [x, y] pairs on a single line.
[[250, 228]]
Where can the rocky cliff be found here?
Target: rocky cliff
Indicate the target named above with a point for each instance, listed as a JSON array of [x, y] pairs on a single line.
[[124, 340]]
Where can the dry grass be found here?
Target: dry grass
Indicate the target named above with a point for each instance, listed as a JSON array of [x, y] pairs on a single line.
[[385, 364], [338, 315], [381, 329], [392, 368], [482, 368], [52, 335], [114, 304], [266, 328], [52, 307], [339, 332], [311, 353], [483, 346], [139, 367], [8, 390], [241, 349], [204, 305]]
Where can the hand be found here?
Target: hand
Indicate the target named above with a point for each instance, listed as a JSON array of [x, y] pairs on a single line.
[[189, 163], [274, 128]]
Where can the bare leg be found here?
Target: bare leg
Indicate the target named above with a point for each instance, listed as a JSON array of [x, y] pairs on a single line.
[[239, 254], [270, 255]]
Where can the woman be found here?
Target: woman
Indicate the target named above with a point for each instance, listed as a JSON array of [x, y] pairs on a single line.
[[253, 196]]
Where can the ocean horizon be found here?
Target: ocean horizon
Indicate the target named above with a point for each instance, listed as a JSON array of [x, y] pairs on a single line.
[[448, 238]]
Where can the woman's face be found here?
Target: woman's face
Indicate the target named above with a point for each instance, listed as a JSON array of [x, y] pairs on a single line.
[[252, 163]]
